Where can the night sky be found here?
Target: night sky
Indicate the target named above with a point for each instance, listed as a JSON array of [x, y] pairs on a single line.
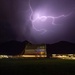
[[17, 20]]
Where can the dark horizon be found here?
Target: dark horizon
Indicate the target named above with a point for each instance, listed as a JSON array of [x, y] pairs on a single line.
[[17, 48]]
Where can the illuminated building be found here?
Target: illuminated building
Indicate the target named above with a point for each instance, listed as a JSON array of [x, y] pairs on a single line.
[[35, 50]]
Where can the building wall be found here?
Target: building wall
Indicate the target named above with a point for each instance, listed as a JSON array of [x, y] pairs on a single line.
[[33, 49]]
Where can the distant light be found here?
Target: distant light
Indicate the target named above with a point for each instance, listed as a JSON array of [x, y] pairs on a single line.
[[3, 56]]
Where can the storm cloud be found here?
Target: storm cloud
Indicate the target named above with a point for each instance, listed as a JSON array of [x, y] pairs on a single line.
[[15, 23]]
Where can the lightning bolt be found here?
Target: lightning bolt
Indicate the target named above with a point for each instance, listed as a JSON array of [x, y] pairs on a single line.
[[44, 18]]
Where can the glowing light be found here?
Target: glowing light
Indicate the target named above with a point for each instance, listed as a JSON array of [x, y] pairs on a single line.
[[64, 56], [3, 56], [44, 18]]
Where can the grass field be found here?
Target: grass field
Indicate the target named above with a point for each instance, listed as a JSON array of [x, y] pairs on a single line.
[[33, 66]]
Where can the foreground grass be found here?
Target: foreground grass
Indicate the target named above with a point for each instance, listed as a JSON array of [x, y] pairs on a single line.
[[26, 66]]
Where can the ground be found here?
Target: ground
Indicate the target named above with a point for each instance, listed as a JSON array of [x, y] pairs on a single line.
[[34, 66]]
